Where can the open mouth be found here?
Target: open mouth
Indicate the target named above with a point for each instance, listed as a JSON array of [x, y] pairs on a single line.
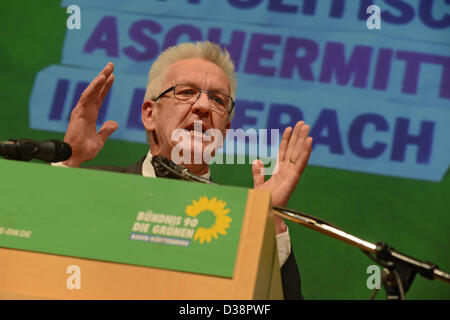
[[196, 129]]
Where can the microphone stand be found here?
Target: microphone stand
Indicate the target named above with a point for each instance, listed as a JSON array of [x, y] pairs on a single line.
[[399, 269]]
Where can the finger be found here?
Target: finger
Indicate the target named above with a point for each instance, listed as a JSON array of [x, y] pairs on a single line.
[[107, 129], [301, 163], [293, 140], [93, 89], [304, 132], [104, 91], [97, 84], [108, 69], [108, 73], [284, 143], [258, 173], [299, 146]]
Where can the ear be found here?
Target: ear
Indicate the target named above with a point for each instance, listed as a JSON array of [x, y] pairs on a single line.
[[148, 115]]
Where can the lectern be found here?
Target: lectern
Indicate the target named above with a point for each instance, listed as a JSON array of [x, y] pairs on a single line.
[[70, 233]]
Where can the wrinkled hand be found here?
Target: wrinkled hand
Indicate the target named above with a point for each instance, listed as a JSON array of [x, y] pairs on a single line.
[[81, 132], [293, 155]]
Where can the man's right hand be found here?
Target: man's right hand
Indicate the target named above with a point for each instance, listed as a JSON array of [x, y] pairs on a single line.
[[81, 132]]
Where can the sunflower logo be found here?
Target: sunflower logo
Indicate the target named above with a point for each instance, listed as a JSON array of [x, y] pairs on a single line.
[[221, 220]]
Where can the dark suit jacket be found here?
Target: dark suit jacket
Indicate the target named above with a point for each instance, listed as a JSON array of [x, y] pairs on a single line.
[[290, 275]]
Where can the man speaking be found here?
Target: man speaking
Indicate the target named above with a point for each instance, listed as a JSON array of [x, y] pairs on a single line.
[[191, 84]]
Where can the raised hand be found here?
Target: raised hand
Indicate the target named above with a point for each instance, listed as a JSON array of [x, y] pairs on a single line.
[[293, 155], [81, 132]]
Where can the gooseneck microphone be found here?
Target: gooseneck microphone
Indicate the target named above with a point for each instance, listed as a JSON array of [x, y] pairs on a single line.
[[168, 169], [27, 149]]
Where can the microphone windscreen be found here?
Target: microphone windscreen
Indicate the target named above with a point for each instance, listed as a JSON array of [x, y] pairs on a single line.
[[63, 151]]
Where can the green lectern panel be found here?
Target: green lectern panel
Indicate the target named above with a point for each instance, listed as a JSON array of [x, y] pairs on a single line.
[[121, 218]]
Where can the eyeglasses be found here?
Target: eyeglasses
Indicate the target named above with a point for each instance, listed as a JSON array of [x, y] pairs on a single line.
[[222, 103]]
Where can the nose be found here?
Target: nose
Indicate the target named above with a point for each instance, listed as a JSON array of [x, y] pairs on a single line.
[[202, 106]]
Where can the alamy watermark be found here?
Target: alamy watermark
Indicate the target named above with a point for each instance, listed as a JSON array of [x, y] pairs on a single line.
[[374, 280], [374, 21], [74, 280], [74, 20], [190, 149]]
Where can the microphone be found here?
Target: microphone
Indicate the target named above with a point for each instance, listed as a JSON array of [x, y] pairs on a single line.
[[166, 168], [27, 149]]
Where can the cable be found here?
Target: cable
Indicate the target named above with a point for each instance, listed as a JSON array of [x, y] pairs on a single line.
[[399, 284], [374, 293]]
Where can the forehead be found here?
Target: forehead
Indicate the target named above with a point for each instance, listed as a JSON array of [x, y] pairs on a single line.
[[199, 72]]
